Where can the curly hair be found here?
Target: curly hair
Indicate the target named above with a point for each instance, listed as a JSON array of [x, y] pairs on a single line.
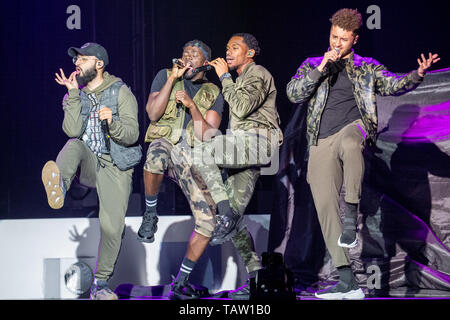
[[250, 41], [347, 19]]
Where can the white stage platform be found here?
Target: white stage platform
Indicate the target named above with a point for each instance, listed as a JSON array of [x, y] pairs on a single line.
[[36, 253]]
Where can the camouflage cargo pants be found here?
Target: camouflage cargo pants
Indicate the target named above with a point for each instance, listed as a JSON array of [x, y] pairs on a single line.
[[245, 150], [159, 161], [176, 161]]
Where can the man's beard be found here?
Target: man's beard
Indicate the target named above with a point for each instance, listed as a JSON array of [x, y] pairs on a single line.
[[88, 76]]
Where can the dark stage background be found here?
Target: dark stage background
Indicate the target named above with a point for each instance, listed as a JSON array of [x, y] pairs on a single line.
[[143, 36]]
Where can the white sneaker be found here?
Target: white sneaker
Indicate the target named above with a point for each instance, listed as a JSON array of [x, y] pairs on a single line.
[[101, 291], [348, 245], [103, 294], [338, 293]]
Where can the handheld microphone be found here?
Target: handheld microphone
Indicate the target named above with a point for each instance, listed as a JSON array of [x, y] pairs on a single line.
[[177, 62], [330, 63], [202, 68], [105, 130], [104, 126]]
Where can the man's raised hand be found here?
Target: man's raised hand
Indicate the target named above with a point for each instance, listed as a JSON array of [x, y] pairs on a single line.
[[70, 83], [424, 64]]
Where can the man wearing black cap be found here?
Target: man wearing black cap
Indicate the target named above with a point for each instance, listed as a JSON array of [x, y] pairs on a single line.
[[100, 117]]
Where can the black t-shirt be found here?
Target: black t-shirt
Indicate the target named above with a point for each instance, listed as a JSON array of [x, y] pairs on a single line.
[[191, 89], [340, 108]]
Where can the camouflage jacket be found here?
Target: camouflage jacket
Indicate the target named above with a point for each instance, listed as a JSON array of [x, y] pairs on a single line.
[[252, 100], [368, 78]]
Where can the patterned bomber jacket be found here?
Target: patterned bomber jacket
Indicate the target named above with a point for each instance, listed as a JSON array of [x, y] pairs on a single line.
[[368, 78]]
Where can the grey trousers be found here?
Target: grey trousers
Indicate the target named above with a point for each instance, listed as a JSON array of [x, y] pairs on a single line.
[[113, 188], [334, 161]]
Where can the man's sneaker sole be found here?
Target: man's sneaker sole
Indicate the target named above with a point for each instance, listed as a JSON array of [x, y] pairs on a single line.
[[146, 240], [357, 294], [51, 180], [350, 245]]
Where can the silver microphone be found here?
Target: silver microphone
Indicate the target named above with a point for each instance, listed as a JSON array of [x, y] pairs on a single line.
[[177, 62]]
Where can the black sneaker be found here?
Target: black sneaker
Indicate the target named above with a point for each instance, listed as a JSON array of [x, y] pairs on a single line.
[[148, 228], [341, 291], [183, 291], [225, 229]]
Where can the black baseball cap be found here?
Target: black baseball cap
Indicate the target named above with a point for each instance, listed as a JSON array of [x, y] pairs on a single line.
[[90, 49]]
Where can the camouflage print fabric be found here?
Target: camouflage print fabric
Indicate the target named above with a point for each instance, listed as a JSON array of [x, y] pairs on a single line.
[[158, 156], [239, 188], [161, 156], [254, 137], [243, 242], [176, 161], [240, 150], [202, 206], [368, 77]]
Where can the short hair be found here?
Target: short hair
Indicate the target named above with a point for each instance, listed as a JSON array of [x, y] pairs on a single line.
[[250, 41], [206, 50], [347, 19]]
